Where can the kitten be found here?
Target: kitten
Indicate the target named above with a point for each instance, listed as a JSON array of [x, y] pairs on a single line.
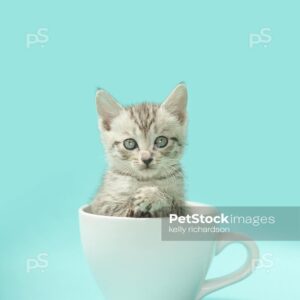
[[143, 145]]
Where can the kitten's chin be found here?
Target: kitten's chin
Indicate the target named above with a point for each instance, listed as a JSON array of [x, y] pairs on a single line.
[[149, 173], [146, 172]]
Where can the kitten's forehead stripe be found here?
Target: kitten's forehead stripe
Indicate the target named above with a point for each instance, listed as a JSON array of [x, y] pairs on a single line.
[[143, 115]]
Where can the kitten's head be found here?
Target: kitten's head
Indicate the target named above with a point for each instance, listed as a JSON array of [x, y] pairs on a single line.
[[144, 140]]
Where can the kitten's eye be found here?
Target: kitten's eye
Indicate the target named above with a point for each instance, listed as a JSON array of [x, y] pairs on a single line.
[[161, 142], [130, 144]]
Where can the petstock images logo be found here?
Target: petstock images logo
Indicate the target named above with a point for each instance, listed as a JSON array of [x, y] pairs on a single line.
[[258, 223]]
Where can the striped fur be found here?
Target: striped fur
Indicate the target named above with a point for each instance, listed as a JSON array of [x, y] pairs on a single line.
[[130, 187]]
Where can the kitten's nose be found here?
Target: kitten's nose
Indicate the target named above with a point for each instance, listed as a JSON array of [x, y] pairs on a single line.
[[147, 161]]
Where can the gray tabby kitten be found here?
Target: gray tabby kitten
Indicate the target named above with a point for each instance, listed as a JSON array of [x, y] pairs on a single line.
[[143, 144]]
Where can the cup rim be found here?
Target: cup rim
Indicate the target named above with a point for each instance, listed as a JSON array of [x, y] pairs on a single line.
[[82, 213]]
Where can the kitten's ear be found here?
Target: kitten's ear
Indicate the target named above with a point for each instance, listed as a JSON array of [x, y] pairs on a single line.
[[107, 107], [176, 102]]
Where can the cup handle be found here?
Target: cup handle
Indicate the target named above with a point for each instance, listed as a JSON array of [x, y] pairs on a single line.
[[245, 270]]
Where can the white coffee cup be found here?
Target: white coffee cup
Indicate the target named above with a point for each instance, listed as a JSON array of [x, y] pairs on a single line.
[[131, 262]]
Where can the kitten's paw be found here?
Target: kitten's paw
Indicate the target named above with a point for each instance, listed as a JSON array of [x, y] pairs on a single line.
[[147, 202]]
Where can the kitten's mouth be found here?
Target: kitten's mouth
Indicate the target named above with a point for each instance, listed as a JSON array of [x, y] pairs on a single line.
[[147, 168]]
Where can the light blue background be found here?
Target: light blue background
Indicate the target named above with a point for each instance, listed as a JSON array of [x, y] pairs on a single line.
[[243, 144]]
